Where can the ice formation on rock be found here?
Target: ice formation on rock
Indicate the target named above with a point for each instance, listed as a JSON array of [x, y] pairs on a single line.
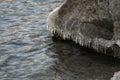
[[91, 23]]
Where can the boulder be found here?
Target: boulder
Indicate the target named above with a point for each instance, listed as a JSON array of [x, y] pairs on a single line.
[[91, 23]]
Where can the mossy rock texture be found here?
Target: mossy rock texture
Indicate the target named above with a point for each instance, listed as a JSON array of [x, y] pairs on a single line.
[[91, 23]]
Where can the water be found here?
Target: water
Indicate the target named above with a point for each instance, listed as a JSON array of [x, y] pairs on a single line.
[[27, 51]]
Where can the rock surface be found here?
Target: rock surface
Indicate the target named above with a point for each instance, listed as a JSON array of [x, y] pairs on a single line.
[[91, 23], [116, 76]]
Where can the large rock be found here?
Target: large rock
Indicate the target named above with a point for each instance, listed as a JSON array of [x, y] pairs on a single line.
[[91, 23]]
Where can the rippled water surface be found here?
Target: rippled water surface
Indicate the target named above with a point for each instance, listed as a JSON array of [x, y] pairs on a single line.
[[27, 51]]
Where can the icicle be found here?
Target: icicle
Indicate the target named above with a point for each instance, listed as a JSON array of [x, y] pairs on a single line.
[[80, 42], [47, 27], [64, 35]]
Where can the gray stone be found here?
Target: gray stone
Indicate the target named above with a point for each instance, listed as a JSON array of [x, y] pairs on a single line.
[[116, 76], [91, 23]]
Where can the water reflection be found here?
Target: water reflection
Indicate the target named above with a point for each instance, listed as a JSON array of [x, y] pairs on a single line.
[[78, 63]]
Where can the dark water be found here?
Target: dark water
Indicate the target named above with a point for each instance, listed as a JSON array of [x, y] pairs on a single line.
[[27, 51]]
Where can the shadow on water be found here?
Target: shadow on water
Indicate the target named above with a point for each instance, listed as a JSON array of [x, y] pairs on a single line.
[[80, 63]]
